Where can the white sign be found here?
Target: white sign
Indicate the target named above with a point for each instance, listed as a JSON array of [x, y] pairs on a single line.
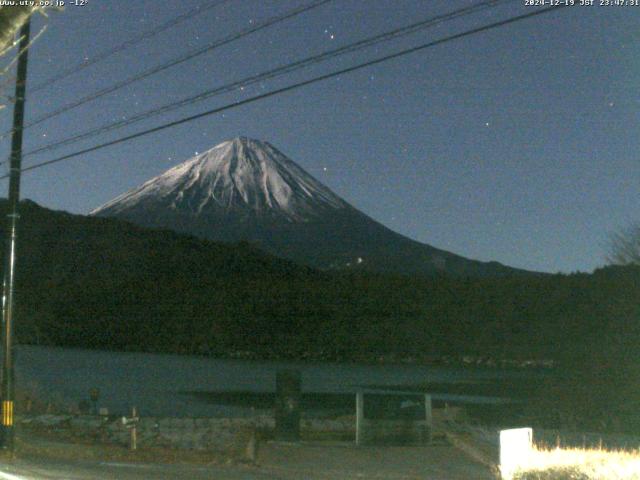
[[515, 449]]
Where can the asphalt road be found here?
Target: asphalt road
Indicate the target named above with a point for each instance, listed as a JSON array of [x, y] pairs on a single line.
[[59, 470], [276, 461]]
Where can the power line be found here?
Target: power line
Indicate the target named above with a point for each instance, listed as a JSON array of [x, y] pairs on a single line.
[[270, 74], [128, 44], [295, 86], [188, 56]]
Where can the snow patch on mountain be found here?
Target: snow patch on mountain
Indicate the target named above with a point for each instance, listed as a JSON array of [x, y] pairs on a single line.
[[238, 174]]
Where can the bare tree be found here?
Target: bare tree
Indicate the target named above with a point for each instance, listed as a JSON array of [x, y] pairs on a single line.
[[624, 246]]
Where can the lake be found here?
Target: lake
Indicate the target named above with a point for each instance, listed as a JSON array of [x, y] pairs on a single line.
[[177, 385]]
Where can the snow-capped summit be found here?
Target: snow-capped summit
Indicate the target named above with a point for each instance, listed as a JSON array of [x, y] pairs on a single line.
[[239, 174], [247, 190]]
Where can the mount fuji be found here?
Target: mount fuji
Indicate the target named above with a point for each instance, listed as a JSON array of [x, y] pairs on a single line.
[[247, 190]]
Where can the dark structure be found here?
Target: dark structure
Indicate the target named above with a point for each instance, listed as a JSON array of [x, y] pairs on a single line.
[[287, 414], [393, 418]]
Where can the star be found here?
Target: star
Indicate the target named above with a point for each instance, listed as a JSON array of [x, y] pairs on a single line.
[[327, 31]]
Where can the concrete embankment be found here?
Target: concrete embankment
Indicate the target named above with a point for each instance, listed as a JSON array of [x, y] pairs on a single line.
[[215, 434], [226, 443]]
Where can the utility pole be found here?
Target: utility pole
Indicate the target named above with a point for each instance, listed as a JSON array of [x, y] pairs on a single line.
[[8, 394]]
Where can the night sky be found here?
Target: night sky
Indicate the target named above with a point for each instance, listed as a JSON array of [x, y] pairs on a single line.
[[519, 144]]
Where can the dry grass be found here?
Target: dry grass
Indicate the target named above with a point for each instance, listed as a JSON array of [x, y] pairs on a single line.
[[579, 464]]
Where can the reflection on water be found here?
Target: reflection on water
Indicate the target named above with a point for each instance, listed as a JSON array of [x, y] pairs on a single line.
[[175, 385]]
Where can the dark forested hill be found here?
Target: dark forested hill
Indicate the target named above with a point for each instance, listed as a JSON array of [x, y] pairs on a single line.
[[103, 283]]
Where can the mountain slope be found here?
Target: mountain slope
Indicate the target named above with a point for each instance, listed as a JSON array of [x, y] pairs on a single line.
[[248, 190], [237, 177]]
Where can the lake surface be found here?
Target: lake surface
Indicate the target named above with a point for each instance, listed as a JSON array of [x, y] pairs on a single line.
[[158, 384]]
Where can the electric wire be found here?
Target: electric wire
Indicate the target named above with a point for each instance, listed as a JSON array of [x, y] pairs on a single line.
[[296, 86], [47, 83], [273, 73], [172, 63]]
